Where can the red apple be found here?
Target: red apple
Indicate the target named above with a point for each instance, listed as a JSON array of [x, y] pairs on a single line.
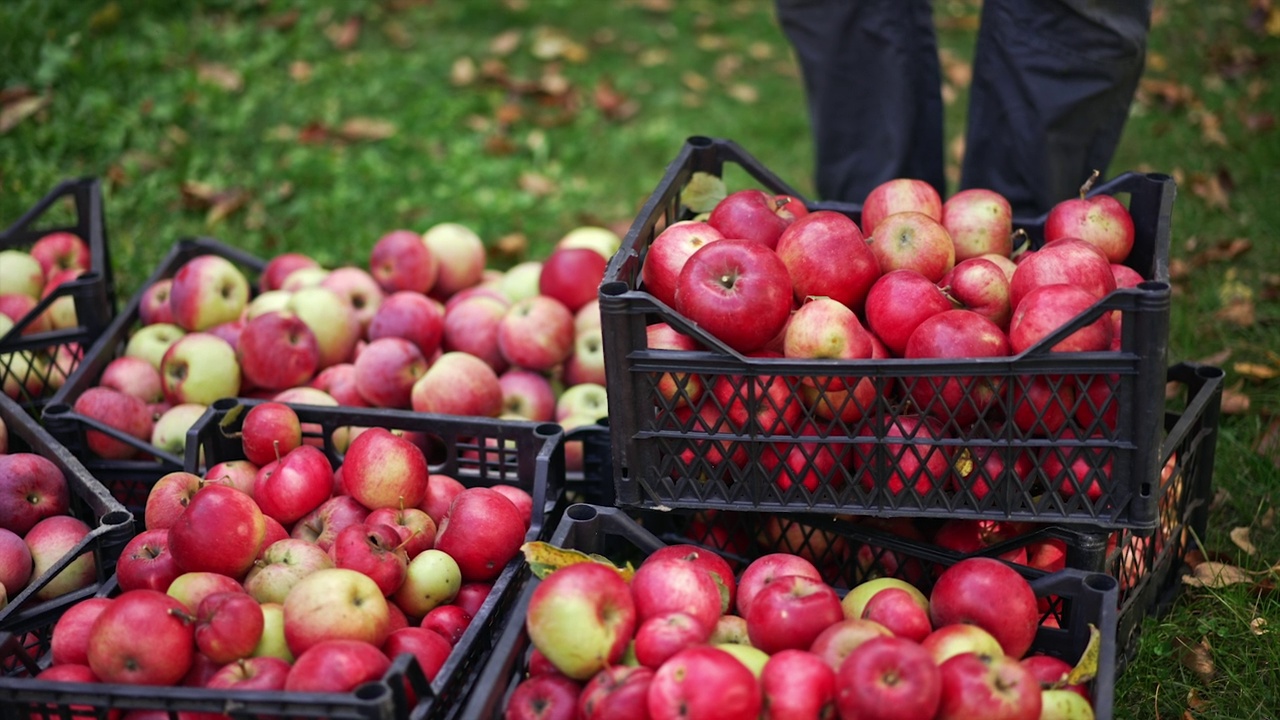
[[616, 693], [572, 275], [889, 678], [69, 642], [841, 639], [897, 610], [441, 490], [791, 612], [988, 593], [386, 370], [766, 569], [254, 673], [911, 455], [726, 281], [701, 683], [461, 253], [978, 284], [217, 511], [536, 333], [482, 531], [449, 620], [948, 641], [1049, 671], [133, 376], [119, 411], [797, 684], [119, 653], [382, 469], [1065, 261], [269, 431], [956, 334], [581, 617], [458, 383], [280, 266], [988, 687], [416, 529], [336, 666], [898, 302], [471, 325], [412, 316], [899, 195], [664, 634], [527, 394], [277, 350], [32, 488], [668, 584], [400, 260], [1049, 307], [980, 222], [913, 241], [50, 541], [228, 626], [1101, 220], [544, 697], [826, 256], [754, 215], [427, 647], [667, 255], [207, 290], [145, 562]]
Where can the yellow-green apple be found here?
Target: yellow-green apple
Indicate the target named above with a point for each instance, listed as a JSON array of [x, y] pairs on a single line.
[[1100, 220], [521, 280], [150, 342], [766, 569], [669, 584], [482, 531], [536, 333], [153, 306], [277, 350], [382, 469], [252, 673], [400, 260], [336, 666], [321, 525], [989, 594], [587, 317], [668, 253], [331, 319], [729, 629], [386, 370], [586, 364], [412, 316], [584, 399], [20, 274], [199, 367], [373, 550], [119, 653], [61, 250], [798, 684], [49, 541], [664, 634], [449, 620], [981, 286], [726, 281], [899, 195], [601, 239], [458, 383], [889, 678], [543, 697], [572, 275], [289, 489], [282, 565], [827, 256], [169, 433], [228, 626], [358, 288], [269, 301], [62, 311], [471, 325], [32, 488], [272, 642], [791, 612], [69, 642], [752, 657], [582, 617], [217, 511], [441, 490], [332, 604], [911, 456], [133, 376], [416, 529], [755, 215], [15, 563], [207, 290], [461, 255], [281, 266], [1049, 307], [1067, 261], [433, 579], [1064, 705], [980, 222], [704, 682], [914, 241], [956, 334], [615, 693], [987, 686], [190, 588], [527, 394], [426, 646], [269, 431], [303, 278], [855, 601], [145, 562], [947, 641]]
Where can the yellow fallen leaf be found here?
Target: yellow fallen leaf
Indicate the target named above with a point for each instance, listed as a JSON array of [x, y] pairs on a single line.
[[545, 558], [1086, 667], [221, 75], [744, 93], [1212, 574], [1258, 626], [1240, 536], [15, 112], [1255, 371], [1234, 402], [1197, 657], [364, 128]]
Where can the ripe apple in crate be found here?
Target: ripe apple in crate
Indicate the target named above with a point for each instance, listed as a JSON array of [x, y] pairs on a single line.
[[1046, 309], [471, 325], [704, 682], [582, 617], [1064, 261], [228, 626], [358, 288], [69, 642], [889, 678], [726, 281], [49, 541], [843, 637], [331, 319], [1101, 220], [15, 563], [989, 594], [988, 686], [433, 579], [956, 334], [482, 531], [373, 551], [572, 275], [281, 566], [791, 612], [336, 666], [616, 693], [32, 488], [412, 316], [334, 604], [145, 562], [20, 274], [543, 697], [536, 333], [280, 266], [151, 342], [119, 653], [458, 383], [978, 284], [461, 256], [58, 251], [899, 195], [382, 469], [755, 215], [898, 302], [199, 367], [217, 511], [980, 222], [400, 260], [207, 290], [669, 584], [119, 411], [913, 241], [667, 255], [797, 683], [527, 394], [827, 256], [427, 647], [766, 569]]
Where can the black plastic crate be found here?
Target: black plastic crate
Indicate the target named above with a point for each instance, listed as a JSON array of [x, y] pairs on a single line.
[[128, 480], [667, 451], [476, 451], [35, 365], [1147, 568], [1073, 599], [110, 525]]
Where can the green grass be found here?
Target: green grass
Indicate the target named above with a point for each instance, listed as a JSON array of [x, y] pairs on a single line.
[[128, 102]]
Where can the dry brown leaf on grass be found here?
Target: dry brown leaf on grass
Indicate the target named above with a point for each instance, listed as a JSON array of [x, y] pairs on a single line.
[[505, 43], [282, 21], [1217, 359], [1214, 190], [744, 93], [1240, 536], [344, 35], [1268, 446], [1234, 402], [1258, 626], [1223, 250], [300, 71], [13, 113], [367, 128], [536, 184], [512, 246], [956, 70], [613, 104], [225, 77], [463, 72], [1196, 657], [220, 203], [1255, 371], [695, 82], [1213, 574]]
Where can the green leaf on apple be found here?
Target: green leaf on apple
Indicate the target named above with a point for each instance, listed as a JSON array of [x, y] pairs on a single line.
[[703, 191]]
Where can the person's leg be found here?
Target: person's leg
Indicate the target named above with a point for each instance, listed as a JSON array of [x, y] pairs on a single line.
[[1052, 85], [874, 91]]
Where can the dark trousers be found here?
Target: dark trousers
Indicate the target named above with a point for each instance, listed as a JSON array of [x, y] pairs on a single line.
[[1052, 85]]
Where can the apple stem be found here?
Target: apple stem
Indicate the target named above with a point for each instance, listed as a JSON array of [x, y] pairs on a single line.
[[781, 202], [1021, 243], [955, 302], [1088, 184]]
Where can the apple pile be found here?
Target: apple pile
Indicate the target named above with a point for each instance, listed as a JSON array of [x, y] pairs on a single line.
[[280, 571], [684, 637], [26, 278], [423, 326], [38, 528], [920, 279]]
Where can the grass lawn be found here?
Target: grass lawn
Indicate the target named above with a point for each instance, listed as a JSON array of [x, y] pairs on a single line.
[[316, 127]]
